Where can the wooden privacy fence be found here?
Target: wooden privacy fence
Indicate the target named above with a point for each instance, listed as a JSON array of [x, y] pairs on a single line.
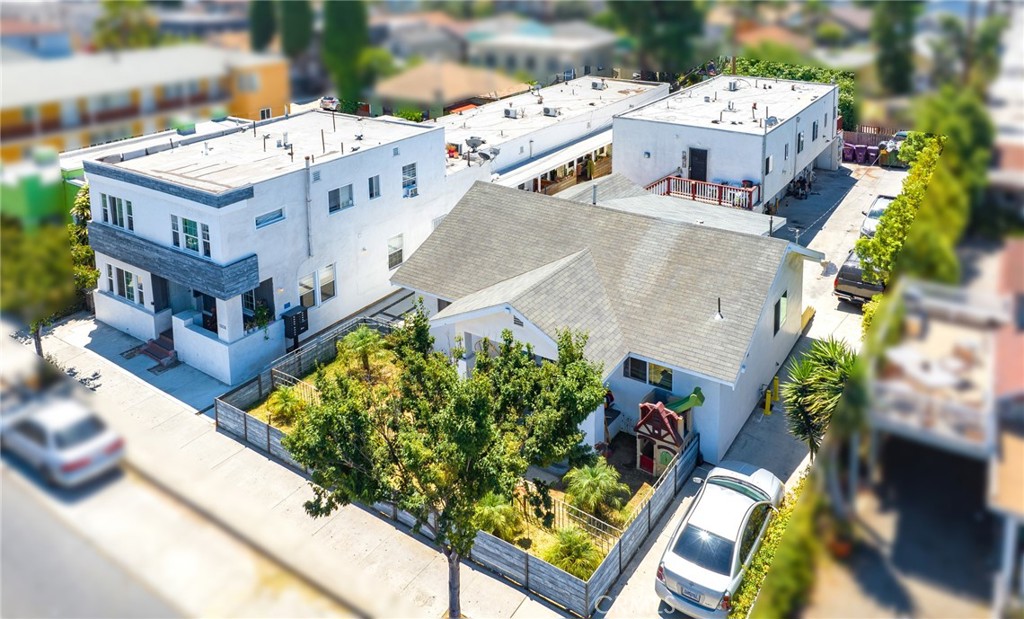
[[578, 596], [324, 347], [251, 430]]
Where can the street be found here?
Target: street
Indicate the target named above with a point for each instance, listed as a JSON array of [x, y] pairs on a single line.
[[49, 570]]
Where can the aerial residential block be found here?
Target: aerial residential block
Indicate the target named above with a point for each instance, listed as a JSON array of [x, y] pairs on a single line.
[[731, 140]]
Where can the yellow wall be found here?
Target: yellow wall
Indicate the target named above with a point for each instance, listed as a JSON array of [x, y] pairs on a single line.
[[274, 91], [11, 116]]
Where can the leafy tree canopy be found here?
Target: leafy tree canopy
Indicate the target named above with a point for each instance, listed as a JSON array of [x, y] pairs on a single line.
[[125, 24], [296, 27], [809, 72], [262, 24], [345, 35], [666, 32]]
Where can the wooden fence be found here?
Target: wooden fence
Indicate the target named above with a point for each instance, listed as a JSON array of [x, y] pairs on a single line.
[[578, 596], [252, 431]]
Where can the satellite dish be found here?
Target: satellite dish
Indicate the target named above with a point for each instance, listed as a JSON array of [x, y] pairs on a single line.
[[494, 150], [484, 156], [475, 142]]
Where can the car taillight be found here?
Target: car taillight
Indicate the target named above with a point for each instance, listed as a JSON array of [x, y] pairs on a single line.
[[114, 447], [725, 604], [74, 465], [661, 572], [835, 282]]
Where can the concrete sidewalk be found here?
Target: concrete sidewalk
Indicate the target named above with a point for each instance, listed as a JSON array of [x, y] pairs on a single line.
[[371, 564]]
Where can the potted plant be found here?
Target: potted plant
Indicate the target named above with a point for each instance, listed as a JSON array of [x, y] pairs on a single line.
[[261, 318]]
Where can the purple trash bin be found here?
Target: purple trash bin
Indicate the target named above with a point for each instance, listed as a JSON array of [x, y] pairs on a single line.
[[862, 153], [872, 155], [849, 153]]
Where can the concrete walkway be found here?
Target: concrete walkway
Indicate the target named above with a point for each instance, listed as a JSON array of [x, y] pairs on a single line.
[[372, 564]]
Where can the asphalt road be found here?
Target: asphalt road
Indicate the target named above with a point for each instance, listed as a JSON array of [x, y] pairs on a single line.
[[48, 570]]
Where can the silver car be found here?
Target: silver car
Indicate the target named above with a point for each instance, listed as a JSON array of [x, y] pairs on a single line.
[[65, 441], [874, 214], [709, 552]]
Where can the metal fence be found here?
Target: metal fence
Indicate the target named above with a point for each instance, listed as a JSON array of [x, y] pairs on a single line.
[[323, 348], [564, 515]]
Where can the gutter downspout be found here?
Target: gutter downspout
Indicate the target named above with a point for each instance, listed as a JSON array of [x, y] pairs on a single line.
[[309, 215]]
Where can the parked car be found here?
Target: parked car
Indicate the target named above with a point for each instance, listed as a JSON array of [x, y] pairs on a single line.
[[65, 441], [874, 214], [330, 103], [709, 552], [849, 284]]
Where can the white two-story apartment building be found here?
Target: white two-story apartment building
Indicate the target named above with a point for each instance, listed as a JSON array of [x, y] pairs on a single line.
[[731, 139]]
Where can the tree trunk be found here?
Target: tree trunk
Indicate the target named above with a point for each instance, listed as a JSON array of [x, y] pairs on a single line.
[[853, 475], [454, 606], [37, 338]]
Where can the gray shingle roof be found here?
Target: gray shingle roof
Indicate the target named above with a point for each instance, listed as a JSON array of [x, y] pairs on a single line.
[[638, 284], [609, 187]]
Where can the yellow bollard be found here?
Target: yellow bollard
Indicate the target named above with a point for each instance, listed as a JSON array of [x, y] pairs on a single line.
[[767, 402], [775, 389]]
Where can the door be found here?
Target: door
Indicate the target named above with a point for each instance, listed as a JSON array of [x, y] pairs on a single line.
[[698, 170], [160, 294]]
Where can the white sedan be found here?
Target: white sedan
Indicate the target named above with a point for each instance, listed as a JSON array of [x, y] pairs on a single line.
[[65, 441], [709, 552], [874, 215]]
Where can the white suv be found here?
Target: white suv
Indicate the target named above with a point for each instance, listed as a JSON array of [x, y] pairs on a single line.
[[708, 554]]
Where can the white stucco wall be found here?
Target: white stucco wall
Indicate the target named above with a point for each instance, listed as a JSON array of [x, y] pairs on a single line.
[[124, 316]]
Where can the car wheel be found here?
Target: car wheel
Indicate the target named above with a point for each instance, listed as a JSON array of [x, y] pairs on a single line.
[[48, 476]]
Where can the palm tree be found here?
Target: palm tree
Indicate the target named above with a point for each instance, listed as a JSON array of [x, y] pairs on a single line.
[[285, 404], [804, 424], [499, 517], [574, 552], [364, 342], [595, 488]]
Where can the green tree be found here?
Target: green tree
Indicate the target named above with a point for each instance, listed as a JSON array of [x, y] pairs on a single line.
[[814, 388], [498, 516], [262, 24], [285, 404], [595, 489], [804, 424], [666, 32], [435, 443], [375, 63], [892, 31], [769, 66], [296, 27], [83, 258], [574, 552], [345, 35], [830, 34], [410, 113], [36, 281], [125, 24], [365, 343]]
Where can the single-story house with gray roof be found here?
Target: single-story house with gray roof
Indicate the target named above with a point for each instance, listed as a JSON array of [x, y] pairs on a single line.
[[667, 304]]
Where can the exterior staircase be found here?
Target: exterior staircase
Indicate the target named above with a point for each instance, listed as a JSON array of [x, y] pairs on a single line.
[[161, 349]]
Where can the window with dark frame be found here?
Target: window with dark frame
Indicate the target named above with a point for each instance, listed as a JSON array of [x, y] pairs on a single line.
[[395, 245], [374, 186], [800, 143], [781, 309], [635, 369]]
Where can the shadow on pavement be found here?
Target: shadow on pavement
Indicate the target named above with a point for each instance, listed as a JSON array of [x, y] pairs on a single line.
[[810, 215], [68, 496]]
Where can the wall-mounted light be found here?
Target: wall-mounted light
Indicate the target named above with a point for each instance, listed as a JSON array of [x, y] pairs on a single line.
[[647, 154]]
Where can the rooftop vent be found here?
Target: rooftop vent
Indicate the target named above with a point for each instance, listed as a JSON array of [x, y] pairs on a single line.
[[552, 111], [359, 136], [771, 121], [733, 86], [731, 107], [707, 99]]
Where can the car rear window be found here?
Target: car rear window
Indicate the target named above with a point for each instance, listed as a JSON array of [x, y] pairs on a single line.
[[79, 432], [707, 550]]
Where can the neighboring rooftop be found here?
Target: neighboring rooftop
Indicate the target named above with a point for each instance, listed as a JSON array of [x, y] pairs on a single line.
[[781, 99], [576, 101], [239, 159], [19, 27], [447, 82], [637, 283], [512, 31], [87, 75], [618, 192]]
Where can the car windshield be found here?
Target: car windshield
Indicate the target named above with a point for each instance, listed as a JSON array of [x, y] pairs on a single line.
[[876, 212], [738, 486], [707, 550], [79, 432]]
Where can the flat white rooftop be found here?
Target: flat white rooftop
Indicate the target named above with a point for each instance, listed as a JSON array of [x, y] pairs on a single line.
[[576, 101], [707, 104], [239, 159]]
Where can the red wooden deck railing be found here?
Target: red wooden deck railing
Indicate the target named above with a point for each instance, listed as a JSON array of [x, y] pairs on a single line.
[[710, 193]]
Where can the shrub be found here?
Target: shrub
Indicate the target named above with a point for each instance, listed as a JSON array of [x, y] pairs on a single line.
[[574, 552], [787, 554], [595, 489], [499, 517], [285, 405]]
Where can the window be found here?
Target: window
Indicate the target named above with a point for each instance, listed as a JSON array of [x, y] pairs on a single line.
[[635, 369], [768, 164], [340, 198], [780, 310], [191, 229], [268, 218], [395, 152], [552, 65], [814, 131], [409, 189], [374, 186], [706, 550], [175, 231], [785, 156], [125, 284], [659, 376], [800, 143], [110, 278], [317, 287], [249, 82], [757, 518], [395, 251], [249, 302], [441, 304], [307, 291], [118, 212], [510, 63], [32, 431], [531, 64], [206, 240], [490, 60], [265, 113], [326, 277]]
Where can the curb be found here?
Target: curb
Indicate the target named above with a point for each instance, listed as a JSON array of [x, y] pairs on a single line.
[[253, 544]]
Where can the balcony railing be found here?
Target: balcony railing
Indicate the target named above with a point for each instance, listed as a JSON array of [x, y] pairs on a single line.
[[116, 114], [710, 193]]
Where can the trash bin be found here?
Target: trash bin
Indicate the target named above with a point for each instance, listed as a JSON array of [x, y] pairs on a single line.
[[862, 153], [884, 158], [872, 155], [849, 154]]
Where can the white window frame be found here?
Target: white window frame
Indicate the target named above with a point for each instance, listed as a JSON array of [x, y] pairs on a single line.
[[267, 219], [317, 280], [118, 212], [338, 200], [373, 186], [396, 246], [410, 186], [800, 143], [266, 113]]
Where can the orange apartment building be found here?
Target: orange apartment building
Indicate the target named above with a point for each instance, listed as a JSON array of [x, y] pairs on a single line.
[[88, 99]]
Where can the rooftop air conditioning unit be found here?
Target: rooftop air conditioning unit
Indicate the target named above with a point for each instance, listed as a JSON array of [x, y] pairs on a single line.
[[771, 121], [513, 112], [707, 99], [598, 85], [551, 111], [732, 86]]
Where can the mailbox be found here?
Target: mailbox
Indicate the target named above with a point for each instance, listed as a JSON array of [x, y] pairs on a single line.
[[296, 322]]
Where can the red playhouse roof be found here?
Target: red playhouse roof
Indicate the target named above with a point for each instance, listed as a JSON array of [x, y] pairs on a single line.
[[659, 423]]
